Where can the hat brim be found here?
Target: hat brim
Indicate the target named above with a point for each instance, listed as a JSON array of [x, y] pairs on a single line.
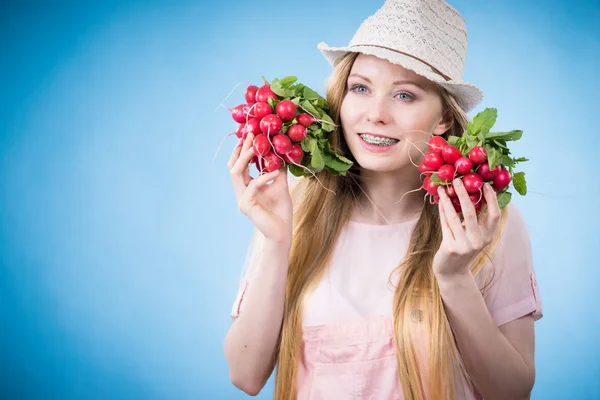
[[467, 95]]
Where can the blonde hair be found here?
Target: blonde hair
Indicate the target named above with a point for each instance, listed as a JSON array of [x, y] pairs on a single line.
[[323, 209]]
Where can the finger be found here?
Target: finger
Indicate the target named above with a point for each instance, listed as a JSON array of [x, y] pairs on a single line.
[[494, 212], [235, 154], [452, 217], [248, 142], [467, 207], [240, 168], [257, 183], [446, 231], [240, 173], [282, 177]]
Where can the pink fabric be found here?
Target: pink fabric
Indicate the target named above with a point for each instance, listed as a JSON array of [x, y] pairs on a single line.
[[348, 343]]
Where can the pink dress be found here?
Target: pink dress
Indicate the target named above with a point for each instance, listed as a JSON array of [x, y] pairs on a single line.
[[349, 350]]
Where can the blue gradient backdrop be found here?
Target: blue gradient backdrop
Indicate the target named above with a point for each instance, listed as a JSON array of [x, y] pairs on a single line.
[[120, 241]]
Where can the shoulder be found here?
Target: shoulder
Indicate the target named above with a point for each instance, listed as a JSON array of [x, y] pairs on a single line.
[[514, 225]]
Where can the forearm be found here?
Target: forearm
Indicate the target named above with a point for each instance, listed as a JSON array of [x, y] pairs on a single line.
[[252, 341], [496, 367]]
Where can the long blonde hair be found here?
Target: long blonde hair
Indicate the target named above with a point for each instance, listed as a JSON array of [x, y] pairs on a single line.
[[322, 211]]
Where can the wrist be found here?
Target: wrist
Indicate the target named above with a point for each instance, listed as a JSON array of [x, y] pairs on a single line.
[[454, 279]]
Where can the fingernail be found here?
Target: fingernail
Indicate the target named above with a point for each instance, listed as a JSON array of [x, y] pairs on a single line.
[[456, 181]]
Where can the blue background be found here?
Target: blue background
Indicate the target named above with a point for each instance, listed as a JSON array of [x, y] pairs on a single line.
[[121, 245]]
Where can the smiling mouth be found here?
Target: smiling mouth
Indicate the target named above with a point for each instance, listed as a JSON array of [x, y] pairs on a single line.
[[378, 140]]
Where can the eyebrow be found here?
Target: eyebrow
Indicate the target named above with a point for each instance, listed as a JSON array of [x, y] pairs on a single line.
[[400, 82]]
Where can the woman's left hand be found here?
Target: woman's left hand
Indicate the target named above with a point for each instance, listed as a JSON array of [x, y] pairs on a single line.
[[462, 242]]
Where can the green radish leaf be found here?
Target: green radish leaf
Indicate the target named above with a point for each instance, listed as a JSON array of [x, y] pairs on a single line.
[[328, 125], [471, 129], [288, 81], [521, 159], [435, 179], [453, 140], [272, 102], [317, 161], [299, 90], [481, 135], [321, 103], [278, 89], [484, 121], [310, 109], [511, 135], [519, 183], [335, 160], [309, 144], [500, 143], [504, 198], [472, 141], [493, 156], [507, 161], [296, 100], [296, 170], [310, 94]]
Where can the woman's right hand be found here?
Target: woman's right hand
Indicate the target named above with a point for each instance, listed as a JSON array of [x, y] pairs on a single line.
[[268, 206]]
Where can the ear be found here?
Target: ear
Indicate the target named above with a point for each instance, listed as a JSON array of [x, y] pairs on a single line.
[[444, 123]]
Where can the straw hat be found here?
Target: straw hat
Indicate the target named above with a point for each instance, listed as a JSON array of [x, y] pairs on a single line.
[[428, 37]]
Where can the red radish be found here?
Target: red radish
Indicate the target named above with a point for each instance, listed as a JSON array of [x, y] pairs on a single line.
[[261, 110], [237, 113], [450, 191], [241, 131], [305, 119], [478, 155], [253, 126], [295, 155], [436, 143], [282, 144], [473, 182], [436, 199], [272, 162], [297, 133], [264, 92], [486, 174], [502, 180], [463, 165], [433, 161], [456, 204], [286, 110], [251, 94], [446, 173], [450, 154], [478, 201], [423, 168], [475, 198], [248, 112], [271, 124], [261, 145], [429, 186]]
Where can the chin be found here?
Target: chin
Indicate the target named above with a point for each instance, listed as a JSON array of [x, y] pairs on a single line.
[[383, 164]]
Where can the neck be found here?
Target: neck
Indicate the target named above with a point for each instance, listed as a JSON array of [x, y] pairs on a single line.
[[389, 197]]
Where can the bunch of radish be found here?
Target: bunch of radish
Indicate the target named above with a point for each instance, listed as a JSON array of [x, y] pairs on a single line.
[[476, 157], [290, 123]]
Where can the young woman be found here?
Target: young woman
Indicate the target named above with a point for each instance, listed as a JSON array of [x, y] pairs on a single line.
[[356, 287]]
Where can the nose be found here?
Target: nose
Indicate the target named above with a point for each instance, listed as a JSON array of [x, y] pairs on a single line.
[[378, 111]]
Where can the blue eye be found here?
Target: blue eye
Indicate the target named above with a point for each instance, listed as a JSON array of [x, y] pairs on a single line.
[[405, 97], [359, 89]]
